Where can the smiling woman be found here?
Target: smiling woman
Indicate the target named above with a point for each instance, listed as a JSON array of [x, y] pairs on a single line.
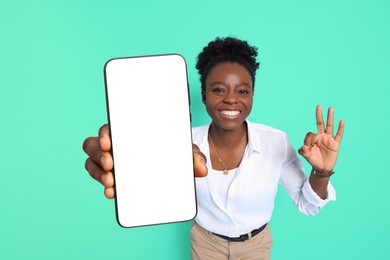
[[244, 161]]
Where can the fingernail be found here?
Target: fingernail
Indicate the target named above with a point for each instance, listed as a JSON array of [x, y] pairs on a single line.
[[202, 160], [103, 177], [102, 160]]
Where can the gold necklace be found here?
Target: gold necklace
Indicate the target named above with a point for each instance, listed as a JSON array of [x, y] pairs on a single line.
[[225, 171]]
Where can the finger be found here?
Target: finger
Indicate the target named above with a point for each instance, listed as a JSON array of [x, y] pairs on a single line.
[[94, 170], [104, 130], [108, 180], [309, 139], [319, 119], [105, 138], [109, 193], [305, 151], [93, 150], [90, 145], [308, 143], [329, 121], [340, 131], [106, 161]]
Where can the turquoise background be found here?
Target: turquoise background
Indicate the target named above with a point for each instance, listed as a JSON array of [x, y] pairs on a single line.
[[52, 97]]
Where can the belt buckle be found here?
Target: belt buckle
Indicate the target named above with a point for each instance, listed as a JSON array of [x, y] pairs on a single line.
[[244, 237]]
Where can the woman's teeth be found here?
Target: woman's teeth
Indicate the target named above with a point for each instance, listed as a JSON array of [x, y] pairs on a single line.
[[230, 112]]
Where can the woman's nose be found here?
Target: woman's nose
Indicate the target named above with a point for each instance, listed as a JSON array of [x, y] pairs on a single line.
[[230, 97]]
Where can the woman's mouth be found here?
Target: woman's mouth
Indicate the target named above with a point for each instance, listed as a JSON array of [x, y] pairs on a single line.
[[230, 114]]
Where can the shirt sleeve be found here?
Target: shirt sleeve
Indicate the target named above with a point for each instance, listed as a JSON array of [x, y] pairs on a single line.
[[294, 180]]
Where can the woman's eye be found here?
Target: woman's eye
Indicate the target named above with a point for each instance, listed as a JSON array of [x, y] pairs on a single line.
[[218, 90], [244, 92]]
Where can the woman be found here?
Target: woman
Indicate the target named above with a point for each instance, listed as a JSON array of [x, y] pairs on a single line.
[[241, 162]]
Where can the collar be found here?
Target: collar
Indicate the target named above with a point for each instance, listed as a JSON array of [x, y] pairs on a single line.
[[254, 144]]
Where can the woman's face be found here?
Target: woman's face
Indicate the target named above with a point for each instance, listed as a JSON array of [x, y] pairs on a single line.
[[229, 95]]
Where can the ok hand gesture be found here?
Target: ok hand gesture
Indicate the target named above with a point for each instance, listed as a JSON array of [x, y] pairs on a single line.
[[321, 149]]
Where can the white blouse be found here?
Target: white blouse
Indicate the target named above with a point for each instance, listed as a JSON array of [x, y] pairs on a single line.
[[269, 159]]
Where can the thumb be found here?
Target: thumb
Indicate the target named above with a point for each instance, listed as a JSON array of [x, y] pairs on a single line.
[[200, 167]]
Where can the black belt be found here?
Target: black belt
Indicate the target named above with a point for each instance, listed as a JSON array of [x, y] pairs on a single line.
[[244, 237]]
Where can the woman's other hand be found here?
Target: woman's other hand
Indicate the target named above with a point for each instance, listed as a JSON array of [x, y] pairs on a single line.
[[100, 163]]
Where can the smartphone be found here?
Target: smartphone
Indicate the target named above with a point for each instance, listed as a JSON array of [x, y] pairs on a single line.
[[148, 108]]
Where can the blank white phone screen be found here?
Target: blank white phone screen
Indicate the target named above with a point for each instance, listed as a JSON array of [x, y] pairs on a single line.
[[150, 127]]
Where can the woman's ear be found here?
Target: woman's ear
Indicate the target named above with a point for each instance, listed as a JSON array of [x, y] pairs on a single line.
[[203, 97]]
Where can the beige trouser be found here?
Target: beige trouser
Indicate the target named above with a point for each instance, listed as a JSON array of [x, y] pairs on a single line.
[[207, 246]]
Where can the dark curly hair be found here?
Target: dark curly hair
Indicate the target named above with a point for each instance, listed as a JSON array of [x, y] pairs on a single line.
[[227, 49]]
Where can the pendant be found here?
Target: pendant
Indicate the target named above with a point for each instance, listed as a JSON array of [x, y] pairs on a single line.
[[225, 172]]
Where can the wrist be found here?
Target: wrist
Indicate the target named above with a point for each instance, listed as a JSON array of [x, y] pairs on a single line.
[[321, 174]]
